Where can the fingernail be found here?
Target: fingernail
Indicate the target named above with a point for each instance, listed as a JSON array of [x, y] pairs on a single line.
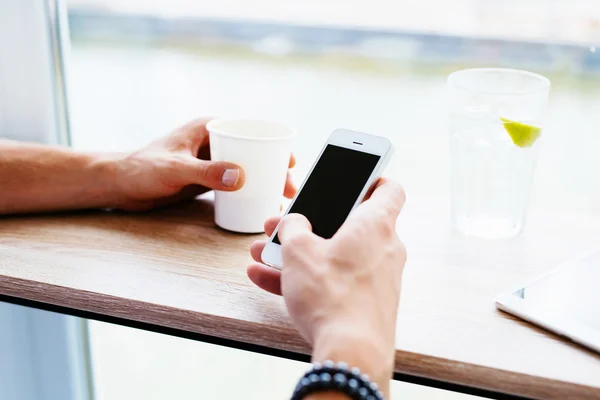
[[230, 177]]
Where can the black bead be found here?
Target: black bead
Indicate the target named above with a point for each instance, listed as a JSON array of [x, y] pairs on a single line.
[[353, 385], [340, 376], [339, 379], [342, 365], [313, 378], [374, 386], [301, 392]]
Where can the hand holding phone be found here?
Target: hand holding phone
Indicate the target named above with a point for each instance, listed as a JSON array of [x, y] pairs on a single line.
[[345, 172], [342, 293]]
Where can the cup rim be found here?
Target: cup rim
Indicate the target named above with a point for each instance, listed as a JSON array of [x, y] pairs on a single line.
[[212, 127], [545, 83]]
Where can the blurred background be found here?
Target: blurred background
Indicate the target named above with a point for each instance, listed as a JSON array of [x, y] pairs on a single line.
[[140, 68]]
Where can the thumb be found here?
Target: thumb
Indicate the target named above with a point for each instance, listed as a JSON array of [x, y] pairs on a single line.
[[294, 227], [216, 175]]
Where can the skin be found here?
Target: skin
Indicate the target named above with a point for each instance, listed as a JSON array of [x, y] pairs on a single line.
[[343, 293], [177, 167]]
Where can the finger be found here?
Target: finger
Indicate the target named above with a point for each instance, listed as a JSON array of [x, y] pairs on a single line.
[[187, 193], [257, 247], [204, 152], [256, 250], [290, 188], [198, 134], [216, 175], [192, 136], [293, 225], [264, 277], [375, 219], [271, 224], [388, 196], [190, 192], [292, 161]]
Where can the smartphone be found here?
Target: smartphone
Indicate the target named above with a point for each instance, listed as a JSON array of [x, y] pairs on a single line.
[[346, 170]]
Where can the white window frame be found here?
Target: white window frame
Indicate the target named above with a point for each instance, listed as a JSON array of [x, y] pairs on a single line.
[[43, 355], [34, 45]]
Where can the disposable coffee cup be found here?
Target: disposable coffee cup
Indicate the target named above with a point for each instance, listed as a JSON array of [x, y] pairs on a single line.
[[262, 149]]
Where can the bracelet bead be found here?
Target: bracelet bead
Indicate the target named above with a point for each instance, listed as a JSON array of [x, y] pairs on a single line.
[[339, 377]]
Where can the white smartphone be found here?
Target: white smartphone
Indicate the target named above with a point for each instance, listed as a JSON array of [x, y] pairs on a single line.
[[346, 170]]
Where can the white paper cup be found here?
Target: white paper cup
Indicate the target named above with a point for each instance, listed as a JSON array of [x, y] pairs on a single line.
[[262, 149]]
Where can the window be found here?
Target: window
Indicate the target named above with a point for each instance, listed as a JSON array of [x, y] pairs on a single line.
[[140, 68]]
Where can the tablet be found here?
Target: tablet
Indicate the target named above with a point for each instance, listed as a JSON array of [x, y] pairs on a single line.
[[565, 301]]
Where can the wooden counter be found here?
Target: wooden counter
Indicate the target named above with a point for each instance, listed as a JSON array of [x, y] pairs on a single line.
[[175, 269]]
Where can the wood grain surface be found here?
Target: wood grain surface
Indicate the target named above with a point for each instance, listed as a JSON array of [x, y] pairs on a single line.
[[174, 268]]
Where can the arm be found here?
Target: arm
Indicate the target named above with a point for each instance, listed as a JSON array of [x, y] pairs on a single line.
[[38, 178], [41, 178]]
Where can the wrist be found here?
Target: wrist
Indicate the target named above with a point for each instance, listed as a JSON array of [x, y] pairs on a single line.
[[327, 396], [368, 351], [103, 186]]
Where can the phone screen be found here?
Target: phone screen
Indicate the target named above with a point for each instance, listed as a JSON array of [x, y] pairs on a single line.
[[332, 188]]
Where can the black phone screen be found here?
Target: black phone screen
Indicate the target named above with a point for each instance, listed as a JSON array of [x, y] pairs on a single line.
[[332, 188]]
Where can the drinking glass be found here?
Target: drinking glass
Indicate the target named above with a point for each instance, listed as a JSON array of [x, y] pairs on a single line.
[[494, 123]]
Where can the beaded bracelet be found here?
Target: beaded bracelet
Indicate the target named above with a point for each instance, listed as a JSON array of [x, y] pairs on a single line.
[[337, 377]]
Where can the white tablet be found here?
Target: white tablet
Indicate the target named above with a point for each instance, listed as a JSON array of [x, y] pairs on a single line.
[[565, 301]]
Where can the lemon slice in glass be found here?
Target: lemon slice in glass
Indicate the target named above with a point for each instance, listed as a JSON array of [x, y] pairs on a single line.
[[522, 135]]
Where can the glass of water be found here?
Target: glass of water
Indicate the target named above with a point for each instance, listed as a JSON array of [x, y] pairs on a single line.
[[494, 125]]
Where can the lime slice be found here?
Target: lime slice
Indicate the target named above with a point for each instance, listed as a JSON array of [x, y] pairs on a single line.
[[522, 135]]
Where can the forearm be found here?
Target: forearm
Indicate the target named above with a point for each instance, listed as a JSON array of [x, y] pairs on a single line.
[[357, 349], [38, 178]]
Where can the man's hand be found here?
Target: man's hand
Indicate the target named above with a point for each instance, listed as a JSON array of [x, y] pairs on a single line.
[[177, 167], [39, 178], [343, 293]]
